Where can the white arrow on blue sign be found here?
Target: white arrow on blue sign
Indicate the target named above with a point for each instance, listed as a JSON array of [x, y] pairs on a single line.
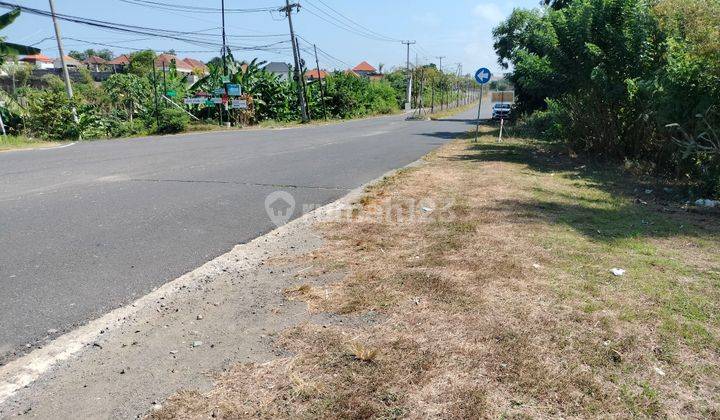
[[482, 76]]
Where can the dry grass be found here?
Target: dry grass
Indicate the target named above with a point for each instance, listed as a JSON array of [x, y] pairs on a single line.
[[499, 302]]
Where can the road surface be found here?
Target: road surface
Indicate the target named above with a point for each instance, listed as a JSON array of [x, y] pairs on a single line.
[[91, 227]]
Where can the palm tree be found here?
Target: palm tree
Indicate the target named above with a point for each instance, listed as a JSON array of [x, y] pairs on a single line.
[[8, 49]]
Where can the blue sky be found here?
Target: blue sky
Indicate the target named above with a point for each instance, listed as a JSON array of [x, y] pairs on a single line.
[[457, 29]]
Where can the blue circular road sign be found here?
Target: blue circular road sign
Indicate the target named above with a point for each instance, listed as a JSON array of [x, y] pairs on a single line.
[[483, 75]]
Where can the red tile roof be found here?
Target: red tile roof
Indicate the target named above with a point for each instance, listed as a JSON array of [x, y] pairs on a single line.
[[317, 74], [37, 57], [196, 64], [120, 60], [94, 59], [167, 59], [364, 66], [71, 61]]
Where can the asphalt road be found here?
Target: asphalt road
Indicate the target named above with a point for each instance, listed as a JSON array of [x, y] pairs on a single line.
[[91, 227]]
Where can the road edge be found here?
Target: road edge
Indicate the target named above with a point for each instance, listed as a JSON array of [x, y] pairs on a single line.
[[22, 372]]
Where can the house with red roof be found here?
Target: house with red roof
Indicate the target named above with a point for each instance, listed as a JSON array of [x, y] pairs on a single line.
[[119, 63], [95, 63], [197, 66], [70, 63], [166, 61], [316, 74], [39, 61], [364, 69]]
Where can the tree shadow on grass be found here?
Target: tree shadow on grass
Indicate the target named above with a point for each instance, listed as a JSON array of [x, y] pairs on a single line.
[[609, 204]]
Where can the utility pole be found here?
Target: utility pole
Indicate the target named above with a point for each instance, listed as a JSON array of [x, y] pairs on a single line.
[[66, 75], [302, 79], [442, 82], [157, 113], [409, 73], [457, 85], [320, 80], [296, 56], [224, 41]]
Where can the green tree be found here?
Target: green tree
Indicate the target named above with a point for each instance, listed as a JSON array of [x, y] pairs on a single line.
[[82, 55], [129, 90], [607, 76], [141, 63]]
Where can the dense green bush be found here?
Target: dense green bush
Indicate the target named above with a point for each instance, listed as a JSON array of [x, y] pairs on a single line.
[[50, 116], [126, 103], [608, 76], [172, 120]]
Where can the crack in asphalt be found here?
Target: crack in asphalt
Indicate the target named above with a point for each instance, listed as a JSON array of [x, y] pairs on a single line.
[[253, 184]]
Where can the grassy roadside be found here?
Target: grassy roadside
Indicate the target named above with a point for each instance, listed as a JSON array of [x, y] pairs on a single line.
[[445, 113], [491, 295], [22, 142]]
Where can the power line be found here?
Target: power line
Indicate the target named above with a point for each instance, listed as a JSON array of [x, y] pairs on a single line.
[[344, 26], [141, 30], [323, 52], [195, 9], [354, 23]]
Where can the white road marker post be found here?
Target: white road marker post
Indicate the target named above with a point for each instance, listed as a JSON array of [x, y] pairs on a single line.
[[502, 124]]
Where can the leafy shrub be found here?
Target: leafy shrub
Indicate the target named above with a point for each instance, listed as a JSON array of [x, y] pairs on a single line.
[[540, 124], [172, 120], [50, 115], [606, 76], [381, 98], [121, 128]]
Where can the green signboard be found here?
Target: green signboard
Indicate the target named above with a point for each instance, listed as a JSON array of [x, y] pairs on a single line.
[[171, 94]]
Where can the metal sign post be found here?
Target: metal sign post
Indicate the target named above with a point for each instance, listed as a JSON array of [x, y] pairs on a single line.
[[482, 76]]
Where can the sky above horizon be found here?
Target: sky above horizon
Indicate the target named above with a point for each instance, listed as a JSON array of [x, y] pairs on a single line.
[[460, 30]]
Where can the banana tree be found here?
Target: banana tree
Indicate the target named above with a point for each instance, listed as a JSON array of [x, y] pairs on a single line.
[[9, 49]]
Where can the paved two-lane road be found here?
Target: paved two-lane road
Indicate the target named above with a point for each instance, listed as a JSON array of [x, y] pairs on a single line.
[[87, 228]]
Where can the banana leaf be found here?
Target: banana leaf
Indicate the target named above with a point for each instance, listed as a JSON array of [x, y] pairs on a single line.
[[9, 18], [8, 48]]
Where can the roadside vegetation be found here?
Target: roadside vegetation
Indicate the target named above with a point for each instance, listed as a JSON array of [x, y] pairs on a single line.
[[21, 142], [140, 99], [629, 80], [499, 301]]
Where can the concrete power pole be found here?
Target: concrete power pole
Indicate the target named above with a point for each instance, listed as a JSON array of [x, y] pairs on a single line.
[[301, 97], [66, 75], [457, 85], [320, 80], [409, 74], [442, 82]]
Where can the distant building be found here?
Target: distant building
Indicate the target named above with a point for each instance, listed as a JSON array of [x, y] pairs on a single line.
[[71, 63], [166, 61], [95, 64], [316, 74], [38, 61], [364, 69], [119, 64], [198, 67], [282, 70]]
